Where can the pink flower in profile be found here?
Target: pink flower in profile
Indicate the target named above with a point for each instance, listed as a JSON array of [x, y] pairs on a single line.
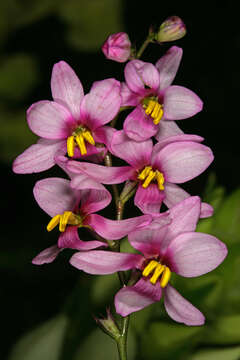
[[155, 169], [117, 47], [172, 246], [73, 208], [157, 103], [72, 122]]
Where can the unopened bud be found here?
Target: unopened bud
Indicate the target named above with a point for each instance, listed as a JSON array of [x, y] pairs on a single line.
[[117, 47], [173, 28], [108, 325]]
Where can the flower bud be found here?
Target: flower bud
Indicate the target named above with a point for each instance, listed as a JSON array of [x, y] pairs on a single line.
[[108, 325], [117, 47], [173, 28]]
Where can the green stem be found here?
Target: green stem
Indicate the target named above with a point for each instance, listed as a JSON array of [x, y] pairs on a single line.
[[122, 340]]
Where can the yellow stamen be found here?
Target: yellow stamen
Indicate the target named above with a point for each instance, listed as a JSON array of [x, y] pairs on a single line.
[[157, 119], [70, 146], [74, 219], [88, 137], [149, 178], [64, 220], [160, 180], [81, 143], [158, 271], [165, 277], [53, 222], [155, 111], [150, 107], [150, 267], [144, 173]]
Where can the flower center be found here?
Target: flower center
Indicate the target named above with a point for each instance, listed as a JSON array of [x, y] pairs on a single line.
[[157, 270], [67, 218], [153, 108], [148, 174], [78, 137]]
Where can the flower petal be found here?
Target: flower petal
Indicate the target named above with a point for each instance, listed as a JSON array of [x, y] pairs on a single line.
[[134, 298], [115, 229], [149, 200], [182, 161], [168, 66], [171, 139], [102, 104], [67, 88], [39, 157], [193, 254], [103, 174], [167, 128], [149, 240], [181, 310], [94, 196], [175, 194], [69, 239], [54, 195], [184, 217], [139, 74], [180, 103], [46, 256], [137, 154], [104, 135], [50, 120], [102, 262], [139, 126], [129, 98]]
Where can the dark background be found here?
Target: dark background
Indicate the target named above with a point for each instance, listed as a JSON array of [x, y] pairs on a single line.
[[210, 67]]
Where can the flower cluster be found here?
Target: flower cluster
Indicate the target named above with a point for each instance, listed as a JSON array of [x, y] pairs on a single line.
[[77, 133]]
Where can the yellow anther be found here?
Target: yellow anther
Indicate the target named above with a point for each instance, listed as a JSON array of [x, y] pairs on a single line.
[[70, 146], [150, 107], [160, 180], [158, 271], [88, 137], [149, 178], [74, 219], [165, 277], [155, 111], [53, 222], [81, 143], [157, 119], [143, 174], [64, 220], [150, 267]]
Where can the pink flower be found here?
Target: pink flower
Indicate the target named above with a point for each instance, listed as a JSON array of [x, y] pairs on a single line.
[[173, 28], [156, 169], [172, 246], [72, 123], [156, 103], [117, 47], [73, 208]]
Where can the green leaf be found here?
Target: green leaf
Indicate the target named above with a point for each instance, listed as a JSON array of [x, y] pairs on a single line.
[[90, 22], [44, 342], [218, 354]]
